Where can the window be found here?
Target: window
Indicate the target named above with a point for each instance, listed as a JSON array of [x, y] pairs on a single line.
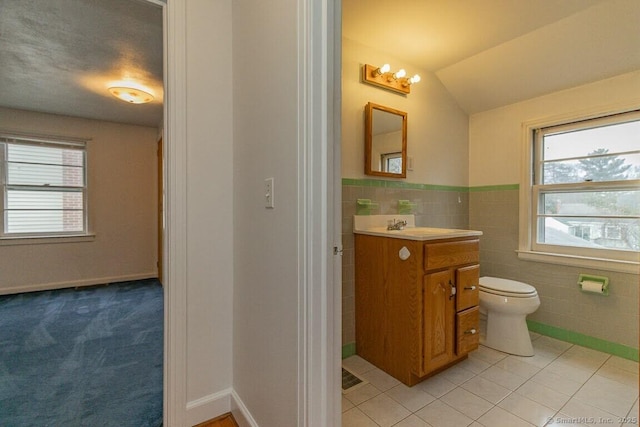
[[391, 162], [585, 189], [44, 191]]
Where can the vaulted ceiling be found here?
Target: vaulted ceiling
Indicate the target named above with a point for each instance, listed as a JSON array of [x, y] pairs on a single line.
[[60, 56], [490, 53]]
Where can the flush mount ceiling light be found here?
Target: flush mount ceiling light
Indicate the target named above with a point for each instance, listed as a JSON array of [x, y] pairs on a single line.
[[131, 95], [383, 77]]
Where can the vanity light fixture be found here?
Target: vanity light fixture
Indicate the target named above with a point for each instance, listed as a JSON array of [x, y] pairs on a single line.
[[131, 95], [383, 77]]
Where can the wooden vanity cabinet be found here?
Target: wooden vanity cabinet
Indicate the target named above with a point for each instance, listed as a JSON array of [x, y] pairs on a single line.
[[417, 316]]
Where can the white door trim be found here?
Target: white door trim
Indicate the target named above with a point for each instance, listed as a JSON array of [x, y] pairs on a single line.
[[334, 175], [318, 305], [175, 253]]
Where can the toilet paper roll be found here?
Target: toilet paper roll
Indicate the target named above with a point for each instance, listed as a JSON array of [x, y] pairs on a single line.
[[591, 286]]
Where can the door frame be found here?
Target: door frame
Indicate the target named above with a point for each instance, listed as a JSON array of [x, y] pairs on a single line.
[[175, 242], [319, 259], [319, 315]]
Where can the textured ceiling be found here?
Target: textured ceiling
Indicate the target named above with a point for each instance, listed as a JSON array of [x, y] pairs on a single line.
[[490, 53], [60, 56]]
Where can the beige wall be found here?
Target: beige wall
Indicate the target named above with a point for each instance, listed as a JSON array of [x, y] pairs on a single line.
[[495, 145], [209, 206], [122, 187], [437, 129], [495, 136], [266, 143]]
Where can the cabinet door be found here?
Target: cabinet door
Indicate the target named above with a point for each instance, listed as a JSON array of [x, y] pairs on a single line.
[[439, 314], [467, 282]]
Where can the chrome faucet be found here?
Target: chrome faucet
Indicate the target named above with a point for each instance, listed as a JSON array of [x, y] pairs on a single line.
[[396, 225]]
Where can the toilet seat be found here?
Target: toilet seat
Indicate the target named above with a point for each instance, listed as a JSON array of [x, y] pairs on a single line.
[[506, 287]]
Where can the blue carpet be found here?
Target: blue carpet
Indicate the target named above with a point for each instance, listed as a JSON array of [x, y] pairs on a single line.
[[88, 357]]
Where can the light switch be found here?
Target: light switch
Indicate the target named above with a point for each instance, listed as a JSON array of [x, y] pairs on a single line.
[[269, 193]]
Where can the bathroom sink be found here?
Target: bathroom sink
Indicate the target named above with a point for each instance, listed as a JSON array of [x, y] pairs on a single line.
[[419, 233], [375, 225]]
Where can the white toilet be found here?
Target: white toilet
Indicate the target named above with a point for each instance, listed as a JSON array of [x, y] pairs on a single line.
[[506, 303]]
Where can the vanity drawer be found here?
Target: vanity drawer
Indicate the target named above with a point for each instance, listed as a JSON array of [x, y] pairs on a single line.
[[447, 254], [467, 282], [467, 330]]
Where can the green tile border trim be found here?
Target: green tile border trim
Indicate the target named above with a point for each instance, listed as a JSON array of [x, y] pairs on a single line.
[[495, 187], [583, 340], [348, 350], [383, 183], [562, 334]]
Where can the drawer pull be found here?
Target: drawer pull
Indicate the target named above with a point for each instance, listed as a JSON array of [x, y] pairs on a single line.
[[470, 288], [470, 332]]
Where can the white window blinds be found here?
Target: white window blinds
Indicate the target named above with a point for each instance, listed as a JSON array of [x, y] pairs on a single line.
[[43, 185]]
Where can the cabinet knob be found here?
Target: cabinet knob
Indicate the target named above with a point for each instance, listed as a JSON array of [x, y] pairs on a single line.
[[404, 253], [470, 288], [470, 332]]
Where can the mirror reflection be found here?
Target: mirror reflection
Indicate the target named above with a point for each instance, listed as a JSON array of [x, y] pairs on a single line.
[[385, 141]]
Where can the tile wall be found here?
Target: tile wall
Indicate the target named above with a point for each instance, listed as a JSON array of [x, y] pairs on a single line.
[[434, 207], [613, 318]]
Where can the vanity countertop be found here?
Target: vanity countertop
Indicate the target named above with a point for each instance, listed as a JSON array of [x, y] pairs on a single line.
[[419, 233], [373, 225]]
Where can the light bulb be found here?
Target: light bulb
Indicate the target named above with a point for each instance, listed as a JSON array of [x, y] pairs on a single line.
[[400, 74], [384, 69], [411, 80]]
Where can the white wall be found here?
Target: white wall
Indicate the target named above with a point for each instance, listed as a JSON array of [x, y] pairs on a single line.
[[242, 261], [495, 136], [122, 187], [265, 301], [437, 129], [209, 208]]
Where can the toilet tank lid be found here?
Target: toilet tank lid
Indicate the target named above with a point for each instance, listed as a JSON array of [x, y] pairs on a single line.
[[506, 285]]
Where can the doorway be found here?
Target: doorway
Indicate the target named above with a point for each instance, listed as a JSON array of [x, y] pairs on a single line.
[[47, 50]]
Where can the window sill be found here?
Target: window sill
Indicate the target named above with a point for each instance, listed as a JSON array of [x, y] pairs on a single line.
[[579, 261], [39, 240]]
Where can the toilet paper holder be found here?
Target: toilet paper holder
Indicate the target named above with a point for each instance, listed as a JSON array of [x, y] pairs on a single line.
[[593, 284]]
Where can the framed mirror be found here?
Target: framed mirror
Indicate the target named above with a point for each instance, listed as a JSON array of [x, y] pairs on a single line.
[[385, 141]]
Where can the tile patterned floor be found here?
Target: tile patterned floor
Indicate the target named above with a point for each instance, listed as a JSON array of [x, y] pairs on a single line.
[[562, 385]]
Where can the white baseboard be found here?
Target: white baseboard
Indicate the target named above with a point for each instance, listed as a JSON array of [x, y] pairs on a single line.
[[209, 407], [76, 283], [240, 412], [220, 403]]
